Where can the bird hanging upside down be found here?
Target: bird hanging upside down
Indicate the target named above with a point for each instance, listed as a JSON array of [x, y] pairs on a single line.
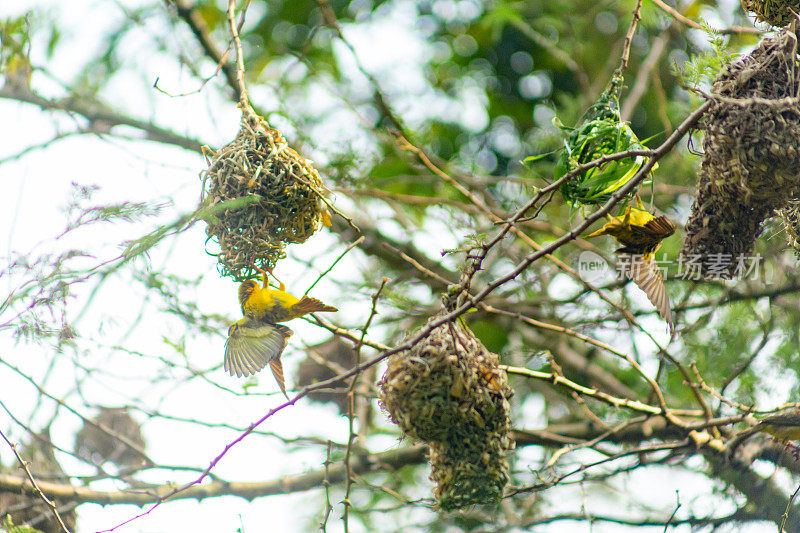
[[640, 232], [257, 339]]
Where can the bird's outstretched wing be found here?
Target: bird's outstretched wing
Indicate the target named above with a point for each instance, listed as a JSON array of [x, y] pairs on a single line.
[[252, 345], [661, 227], [648, 237], [644, 272]]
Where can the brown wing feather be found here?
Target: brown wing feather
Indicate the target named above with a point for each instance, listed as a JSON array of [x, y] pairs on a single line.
[[660, 227], [644, 272], [311, 305], [277, 370], [649, 236], [252, 345]]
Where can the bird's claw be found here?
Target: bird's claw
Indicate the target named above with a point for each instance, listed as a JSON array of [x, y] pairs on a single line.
[[266, 273]]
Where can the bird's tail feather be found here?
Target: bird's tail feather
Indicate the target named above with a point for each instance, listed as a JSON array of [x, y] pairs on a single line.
[[277, 370], [311, 305]]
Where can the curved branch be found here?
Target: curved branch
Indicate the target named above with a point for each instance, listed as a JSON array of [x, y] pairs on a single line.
[[101, 118]]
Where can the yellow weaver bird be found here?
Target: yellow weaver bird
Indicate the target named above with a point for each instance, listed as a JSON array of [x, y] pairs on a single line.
[[257, 339], [784, 426], [640, 233]]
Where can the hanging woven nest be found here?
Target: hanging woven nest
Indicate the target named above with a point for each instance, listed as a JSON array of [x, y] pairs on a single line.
[[751, 164], [448, 391], [602, 133], [338, 356], [775, 12], [473, 471], [99, 445], [281, 197]]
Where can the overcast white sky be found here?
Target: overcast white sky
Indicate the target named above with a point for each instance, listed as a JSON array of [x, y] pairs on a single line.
[[36, 189]]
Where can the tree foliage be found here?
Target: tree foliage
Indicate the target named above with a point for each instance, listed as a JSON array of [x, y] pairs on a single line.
[[434, 125]]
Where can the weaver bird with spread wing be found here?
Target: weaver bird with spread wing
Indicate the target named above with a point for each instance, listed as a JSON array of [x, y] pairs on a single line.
[[640, 233], [257, 339]]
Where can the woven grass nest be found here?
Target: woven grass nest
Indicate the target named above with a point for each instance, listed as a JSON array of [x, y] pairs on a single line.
[[751, 165], [602, 133], [449, 392], [775, 12], [281, 192], [98, 446], [338, 355]]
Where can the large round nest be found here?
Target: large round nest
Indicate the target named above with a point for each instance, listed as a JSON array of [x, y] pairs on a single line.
[[751, 165], [449, 391], [775, 12], [95, 444], [281, 197]]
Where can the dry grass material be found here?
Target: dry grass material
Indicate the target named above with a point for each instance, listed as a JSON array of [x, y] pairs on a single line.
[[751, 165], [448, 391], [775, 12], [286, 194], [790, 216]]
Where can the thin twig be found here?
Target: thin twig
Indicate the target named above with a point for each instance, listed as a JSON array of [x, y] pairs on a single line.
[[192, 17], [724, 31], [350, 413], [626, 46], [243, 99], [785, 516], [97, 113], [643, 74], [350, 247], [50, 504], [326, 483], [561, 381], [329, 16], [674, 511], [510, 225]]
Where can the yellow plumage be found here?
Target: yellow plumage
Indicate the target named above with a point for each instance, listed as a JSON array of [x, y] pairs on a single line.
[[640, 232], [265, 304], [257, 339], [784, 426]]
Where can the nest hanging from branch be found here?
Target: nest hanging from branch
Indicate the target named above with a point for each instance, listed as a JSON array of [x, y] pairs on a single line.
[[751, 164], [337, 354], [98, 446], [281, 197], [775, 12], [449, 392], [602, 133]]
